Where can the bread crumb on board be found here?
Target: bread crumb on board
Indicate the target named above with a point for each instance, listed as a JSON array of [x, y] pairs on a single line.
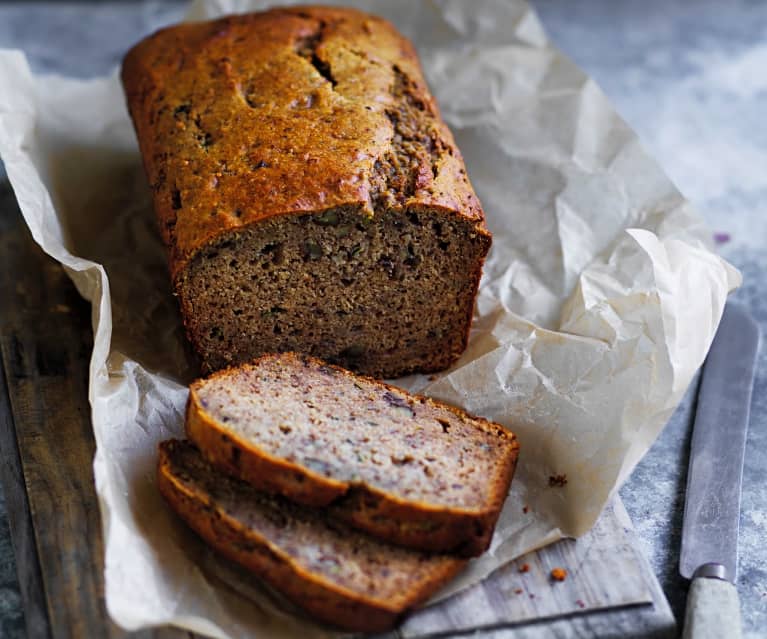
[[557, 480], [558, 574], [524, 568]]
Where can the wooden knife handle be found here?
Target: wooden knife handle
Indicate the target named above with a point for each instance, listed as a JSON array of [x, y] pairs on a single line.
[[713, 610]]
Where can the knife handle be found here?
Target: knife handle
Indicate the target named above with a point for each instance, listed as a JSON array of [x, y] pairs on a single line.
[[713, 609]]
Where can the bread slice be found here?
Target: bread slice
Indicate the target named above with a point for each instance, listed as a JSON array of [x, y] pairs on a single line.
[[404, 468], [338, 575]]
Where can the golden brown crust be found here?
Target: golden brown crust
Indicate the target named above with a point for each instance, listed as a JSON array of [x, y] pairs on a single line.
[[230, 138], [325, 600], [410, 523]]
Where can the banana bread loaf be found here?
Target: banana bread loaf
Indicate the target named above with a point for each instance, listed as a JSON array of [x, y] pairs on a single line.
[[309, 194], [340, 576], [404, 468]]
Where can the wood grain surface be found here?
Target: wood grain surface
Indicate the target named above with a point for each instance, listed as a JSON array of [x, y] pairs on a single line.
[[47, 444]]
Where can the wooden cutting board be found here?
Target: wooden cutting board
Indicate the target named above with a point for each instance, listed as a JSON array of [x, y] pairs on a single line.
[[47, 447]]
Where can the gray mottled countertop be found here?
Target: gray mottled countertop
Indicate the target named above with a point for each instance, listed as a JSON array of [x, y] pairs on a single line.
[[691, 79]]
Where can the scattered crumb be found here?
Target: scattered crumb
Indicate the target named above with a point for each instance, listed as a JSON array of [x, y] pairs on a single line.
[[579, 603], [525, 509], [431, 378], [557, 480], [518, 591], [558, 574], [524, 568]]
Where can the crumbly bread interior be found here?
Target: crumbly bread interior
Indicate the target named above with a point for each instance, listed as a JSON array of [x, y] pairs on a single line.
[[353, 429], [384, 295], [317, 544]]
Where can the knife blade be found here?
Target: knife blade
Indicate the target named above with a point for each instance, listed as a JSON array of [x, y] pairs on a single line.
[[709, 553]]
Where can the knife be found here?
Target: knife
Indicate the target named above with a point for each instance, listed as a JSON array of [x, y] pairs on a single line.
[[709, 554]]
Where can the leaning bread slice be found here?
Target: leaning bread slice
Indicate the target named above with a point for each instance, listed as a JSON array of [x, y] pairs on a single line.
[[404, 468], [338, 575]]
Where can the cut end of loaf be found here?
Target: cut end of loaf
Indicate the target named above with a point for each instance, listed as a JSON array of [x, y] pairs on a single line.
[[385, 296]]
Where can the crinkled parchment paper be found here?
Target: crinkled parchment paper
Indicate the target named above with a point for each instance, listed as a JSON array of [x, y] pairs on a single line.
[[599, 301]]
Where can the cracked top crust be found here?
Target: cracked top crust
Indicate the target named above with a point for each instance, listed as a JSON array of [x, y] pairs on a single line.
[[292, 110]]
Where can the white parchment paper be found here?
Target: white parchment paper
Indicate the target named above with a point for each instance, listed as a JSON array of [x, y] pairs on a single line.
[[599, 301]]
